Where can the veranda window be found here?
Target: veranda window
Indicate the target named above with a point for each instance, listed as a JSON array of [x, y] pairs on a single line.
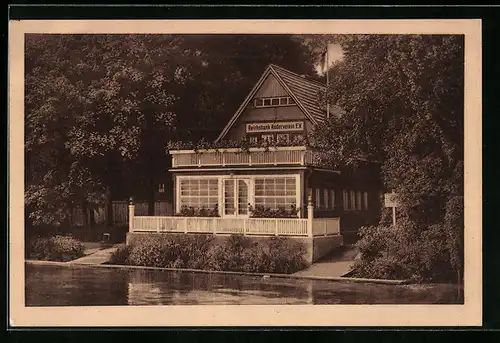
[[276, 193], [199, 193]]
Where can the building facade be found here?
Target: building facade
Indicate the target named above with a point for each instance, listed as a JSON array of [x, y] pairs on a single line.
[[275, 184], [281, 109]]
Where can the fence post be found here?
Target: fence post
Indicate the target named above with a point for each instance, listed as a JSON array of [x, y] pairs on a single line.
[[310, 210], [158, 224], [326, 226], [276, 226], [131, 212], [185, 225]]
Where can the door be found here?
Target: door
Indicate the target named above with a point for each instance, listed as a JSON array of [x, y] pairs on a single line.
[[236, 197]]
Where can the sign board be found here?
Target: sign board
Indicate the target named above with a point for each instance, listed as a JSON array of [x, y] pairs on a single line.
[[275, 127], [390, 200]]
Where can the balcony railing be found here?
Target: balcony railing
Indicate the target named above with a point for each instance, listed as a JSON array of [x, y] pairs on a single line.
[[277, 156], [244, 226]]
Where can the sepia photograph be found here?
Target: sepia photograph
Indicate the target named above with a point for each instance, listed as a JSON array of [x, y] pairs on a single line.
[[203, 169]]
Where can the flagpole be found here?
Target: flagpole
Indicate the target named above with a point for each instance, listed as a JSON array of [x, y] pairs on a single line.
[[327, 84]]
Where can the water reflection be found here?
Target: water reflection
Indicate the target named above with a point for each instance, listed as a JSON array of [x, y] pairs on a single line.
[[79, 286]]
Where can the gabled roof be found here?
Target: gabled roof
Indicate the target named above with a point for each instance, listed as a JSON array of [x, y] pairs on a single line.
[[302, 90]]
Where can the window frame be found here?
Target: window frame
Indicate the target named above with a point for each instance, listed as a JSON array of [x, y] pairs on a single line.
[[281, 101]]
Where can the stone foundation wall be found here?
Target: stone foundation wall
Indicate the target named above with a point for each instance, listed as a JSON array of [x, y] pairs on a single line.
[[321, 246]]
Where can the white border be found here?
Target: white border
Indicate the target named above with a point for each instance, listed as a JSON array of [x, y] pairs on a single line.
[[468, 314]]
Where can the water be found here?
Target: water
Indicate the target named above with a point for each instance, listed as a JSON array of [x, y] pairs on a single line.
[[48, 285]]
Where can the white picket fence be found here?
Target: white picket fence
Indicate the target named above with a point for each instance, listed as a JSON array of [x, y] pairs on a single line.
[[245, 226]]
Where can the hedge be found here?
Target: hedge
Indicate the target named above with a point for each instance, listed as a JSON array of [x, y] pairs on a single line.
[[236, 253]]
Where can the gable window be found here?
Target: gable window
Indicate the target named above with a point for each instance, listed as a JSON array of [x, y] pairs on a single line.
[[273, 101]]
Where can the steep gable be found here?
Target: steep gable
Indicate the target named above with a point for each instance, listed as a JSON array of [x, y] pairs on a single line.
[[271, 87], [277, 81]]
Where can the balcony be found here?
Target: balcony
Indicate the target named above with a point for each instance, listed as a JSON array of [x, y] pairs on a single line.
[[245, 226], [272, 156]]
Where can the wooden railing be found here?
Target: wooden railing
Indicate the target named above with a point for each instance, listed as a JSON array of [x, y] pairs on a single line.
[[309, 226], [244, 226], [325, 226], [216, 225], [235, 156]]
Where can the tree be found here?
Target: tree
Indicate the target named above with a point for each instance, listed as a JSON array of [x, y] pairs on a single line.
[[403, 97], [89, 100], [100, 109]]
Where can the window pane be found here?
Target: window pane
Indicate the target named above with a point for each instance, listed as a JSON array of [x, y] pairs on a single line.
[[275, 192], [283, 101], [267, 102], [275, 101]]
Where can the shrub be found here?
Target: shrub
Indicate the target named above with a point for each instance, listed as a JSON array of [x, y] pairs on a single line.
[[121, 256], [285, 256], [38, 248], [66, 248], [189, 251], [57, 248], [260, 211], [236, 253], [277, 255], [229, 255], [194, 212], [403, 252]]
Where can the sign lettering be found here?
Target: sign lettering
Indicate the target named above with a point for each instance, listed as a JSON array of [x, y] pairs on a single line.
[[390, 200], [275, 127]]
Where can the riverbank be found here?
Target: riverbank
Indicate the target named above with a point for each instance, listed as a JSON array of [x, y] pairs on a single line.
[[262, 275]]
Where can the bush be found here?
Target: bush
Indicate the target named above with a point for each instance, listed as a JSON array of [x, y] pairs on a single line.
[[167, 251], [228, 256], [277, 255], [195, 212], [285, 256], [121, 256], [236, 253], [57, 248], [403, 252], [260, 211]]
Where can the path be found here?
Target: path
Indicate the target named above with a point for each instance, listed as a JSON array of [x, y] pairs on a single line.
[[336, 264], [95, 254]]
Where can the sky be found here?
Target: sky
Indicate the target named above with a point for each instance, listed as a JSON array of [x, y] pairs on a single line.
[[334, 54]]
